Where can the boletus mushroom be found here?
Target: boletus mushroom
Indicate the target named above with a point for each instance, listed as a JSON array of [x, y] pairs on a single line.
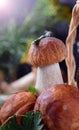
[[59, 106], [17, 104], [45, 53]]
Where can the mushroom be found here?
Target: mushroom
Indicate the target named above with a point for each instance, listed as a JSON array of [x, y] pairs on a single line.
[[45, 53], [59, 106], [17, 104]]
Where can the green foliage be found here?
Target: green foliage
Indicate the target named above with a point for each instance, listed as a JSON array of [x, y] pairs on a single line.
[[31, 121], [41, 19], [11, 125], [32, 89], [12, 45], [62, 12]]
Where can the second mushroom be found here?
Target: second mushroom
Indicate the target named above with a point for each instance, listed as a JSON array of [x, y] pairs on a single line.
[[45, 53]]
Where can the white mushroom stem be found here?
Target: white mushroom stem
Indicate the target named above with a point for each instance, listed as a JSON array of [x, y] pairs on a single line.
[[48, 76]]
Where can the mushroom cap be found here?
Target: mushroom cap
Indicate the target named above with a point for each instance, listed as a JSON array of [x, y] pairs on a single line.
[[49, 51], [17, 104], [59, 106]]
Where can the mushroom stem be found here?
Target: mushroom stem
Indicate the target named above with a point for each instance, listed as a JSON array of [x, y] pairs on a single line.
[[48, 76]]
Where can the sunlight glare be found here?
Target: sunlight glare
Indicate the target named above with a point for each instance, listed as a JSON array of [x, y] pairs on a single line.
[[3, 4]]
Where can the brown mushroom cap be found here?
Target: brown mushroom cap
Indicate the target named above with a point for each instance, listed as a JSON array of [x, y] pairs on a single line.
[[49, 51], [17, 104], [59, 106]]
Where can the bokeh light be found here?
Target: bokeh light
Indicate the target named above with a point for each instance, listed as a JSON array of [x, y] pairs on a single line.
[[3, 4]]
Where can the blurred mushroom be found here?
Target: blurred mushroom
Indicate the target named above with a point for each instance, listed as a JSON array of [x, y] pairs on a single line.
[[45, 53], [18, 104]]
